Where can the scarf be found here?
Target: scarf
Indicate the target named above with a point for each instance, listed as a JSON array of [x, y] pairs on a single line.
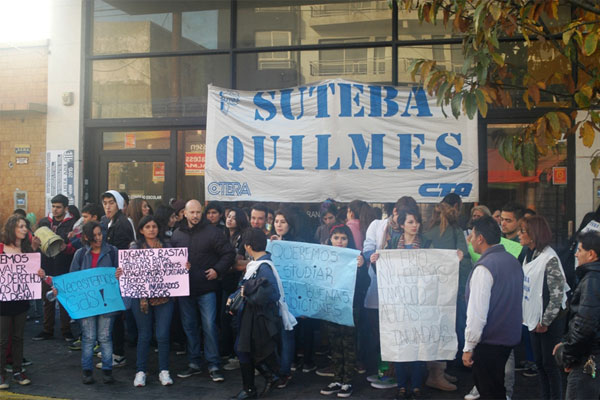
[[391, 226], [415, 245], [286, 316]]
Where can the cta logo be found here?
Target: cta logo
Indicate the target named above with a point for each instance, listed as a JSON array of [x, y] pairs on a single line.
[[233, 189], [442, 189]]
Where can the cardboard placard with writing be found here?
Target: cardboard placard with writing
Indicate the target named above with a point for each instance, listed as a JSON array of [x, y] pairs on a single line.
[[154, 273], [417, 304], [318, 280], [18, 277], [89, 292]]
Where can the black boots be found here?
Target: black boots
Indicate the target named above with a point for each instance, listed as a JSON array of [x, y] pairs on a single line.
[[249, 390], [266, 369]]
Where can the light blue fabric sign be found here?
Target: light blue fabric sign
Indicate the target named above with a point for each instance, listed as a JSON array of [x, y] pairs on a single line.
[[89, 292], [318, 280]]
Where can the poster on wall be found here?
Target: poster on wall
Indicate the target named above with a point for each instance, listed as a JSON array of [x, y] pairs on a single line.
[[60, 175], [336, 139], [195, 163]]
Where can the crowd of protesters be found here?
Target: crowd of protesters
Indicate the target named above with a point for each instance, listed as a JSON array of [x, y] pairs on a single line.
[[236, 316]]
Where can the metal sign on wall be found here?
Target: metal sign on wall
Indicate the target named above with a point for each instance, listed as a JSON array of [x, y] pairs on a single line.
[[336, 139], [60, 175]]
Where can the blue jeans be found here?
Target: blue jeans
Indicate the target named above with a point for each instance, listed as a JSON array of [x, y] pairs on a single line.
[[207, 305], [94, 328], [162, 315], [413, 372], [288, 351]]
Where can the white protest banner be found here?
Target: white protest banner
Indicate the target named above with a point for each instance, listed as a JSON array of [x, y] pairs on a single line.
[[591, 226], [18, 277], [417, 304], [60, 175], [338, 139], [154, 273]]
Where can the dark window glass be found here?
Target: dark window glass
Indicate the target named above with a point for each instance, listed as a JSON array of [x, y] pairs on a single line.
[[155, 87], [143, 26]]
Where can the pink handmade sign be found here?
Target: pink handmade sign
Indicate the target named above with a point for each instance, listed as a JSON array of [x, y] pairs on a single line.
[[154, 273], [18, 277]]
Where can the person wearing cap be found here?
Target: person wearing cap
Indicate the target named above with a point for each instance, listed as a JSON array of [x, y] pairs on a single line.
[[119, 233], [60, 222], [179, 207]]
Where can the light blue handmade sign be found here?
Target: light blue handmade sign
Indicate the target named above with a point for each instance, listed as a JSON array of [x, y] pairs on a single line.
[[89, 292], [318, 280]]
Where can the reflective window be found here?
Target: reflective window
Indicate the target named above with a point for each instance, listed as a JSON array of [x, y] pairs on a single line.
[[448, 56], [154, 140], [155, 87], [191, 156], [139, 179], [142, 26], [364, 65], [410, 28], [312, 23]]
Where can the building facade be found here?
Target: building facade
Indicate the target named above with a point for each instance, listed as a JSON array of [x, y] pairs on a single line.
[[139, 72]]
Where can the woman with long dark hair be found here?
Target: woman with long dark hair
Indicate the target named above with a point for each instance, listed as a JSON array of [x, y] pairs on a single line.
[[236, 224], [13, 314], [544, 296], [143, 309]]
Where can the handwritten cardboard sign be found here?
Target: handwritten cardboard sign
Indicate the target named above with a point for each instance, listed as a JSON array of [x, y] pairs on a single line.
[[417, 304], [89, 292], [154, 273], [18, 277], [318, 280]]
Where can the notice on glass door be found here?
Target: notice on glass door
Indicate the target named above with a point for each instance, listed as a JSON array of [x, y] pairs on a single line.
[[60, 175]]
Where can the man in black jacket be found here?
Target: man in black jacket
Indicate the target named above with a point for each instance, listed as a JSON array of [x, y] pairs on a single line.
[[61, 223], [210, 255], [119, 233], [580, 347]]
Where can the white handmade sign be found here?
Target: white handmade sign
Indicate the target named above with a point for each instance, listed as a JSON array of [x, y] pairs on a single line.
[[417, 304], [338, 139]]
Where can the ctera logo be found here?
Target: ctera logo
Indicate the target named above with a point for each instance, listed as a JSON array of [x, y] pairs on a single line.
[[234, 189], [442, 189]]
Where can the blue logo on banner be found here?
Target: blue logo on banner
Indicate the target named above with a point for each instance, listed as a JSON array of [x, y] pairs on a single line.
[[89, 292], [234, 189], [318, 280], [228, 98], [442, 189]]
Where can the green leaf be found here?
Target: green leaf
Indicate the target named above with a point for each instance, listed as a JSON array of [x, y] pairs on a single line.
[[582, 100], [509, 149], [595, 165], [467, 64], [529, 155], [456, 103], [481, 74], [479, 15], [591, 42], [595, 117], [470, 105], [554, 121], [566, 37], [481, 104]]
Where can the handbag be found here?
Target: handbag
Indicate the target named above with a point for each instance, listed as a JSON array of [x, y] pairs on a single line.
[[236, 302]]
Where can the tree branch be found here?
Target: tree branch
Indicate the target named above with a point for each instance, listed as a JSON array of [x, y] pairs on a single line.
[[585, 6]]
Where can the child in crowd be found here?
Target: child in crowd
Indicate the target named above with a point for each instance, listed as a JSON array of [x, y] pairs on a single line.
[[341, 337]]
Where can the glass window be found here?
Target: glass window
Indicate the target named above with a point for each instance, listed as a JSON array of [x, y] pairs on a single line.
[[274, 60], [155, 87], [448, 56], [533, 189], [410, 28], [191, 156], [154, 140], [312, 23], [364, 65], [139, 179], [142, 26]]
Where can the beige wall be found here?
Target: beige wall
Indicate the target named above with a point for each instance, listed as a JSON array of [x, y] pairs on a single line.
[[23, 80]]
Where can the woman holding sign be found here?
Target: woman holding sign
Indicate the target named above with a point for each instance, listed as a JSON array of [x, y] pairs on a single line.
[[544, 300], [143, 309], [95, 253], [15, 240]]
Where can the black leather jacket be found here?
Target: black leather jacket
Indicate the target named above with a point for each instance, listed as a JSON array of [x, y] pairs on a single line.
[[583, 335]]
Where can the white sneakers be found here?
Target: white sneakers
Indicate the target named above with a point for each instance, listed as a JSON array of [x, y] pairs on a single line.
[[473, 394], [140, 379], [165, 378]]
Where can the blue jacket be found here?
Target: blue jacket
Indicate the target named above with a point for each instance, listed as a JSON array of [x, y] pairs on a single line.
[[109, 257]]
